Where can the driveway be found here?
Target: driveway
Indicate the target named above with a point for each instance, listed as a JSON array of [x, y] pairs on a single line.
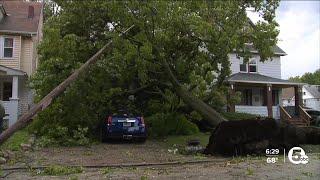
[[95, 158]]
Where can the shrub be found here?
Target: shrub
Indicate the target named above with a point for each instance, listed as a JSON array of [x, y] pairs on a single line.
[[62, 136], [161, 124], [234, 116]]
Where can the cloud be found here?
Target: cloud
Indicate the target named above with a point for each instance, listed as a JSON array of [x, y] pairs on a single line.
[[299, 36]]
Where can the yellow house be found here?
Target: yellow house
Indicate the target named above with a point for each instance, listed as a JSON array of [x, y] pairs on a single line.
[[20, 32]]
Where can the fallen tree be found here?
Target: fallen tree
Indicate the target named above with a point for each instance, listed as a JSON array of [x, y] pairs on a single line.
[[24, 120]]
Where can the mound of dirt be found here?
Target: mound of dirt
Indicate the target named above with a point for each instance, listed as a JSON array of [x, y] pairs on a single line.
[[255, 136]]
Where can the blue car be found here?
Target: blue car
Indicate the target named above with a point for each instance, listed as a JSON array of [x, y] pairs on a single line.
[[125, 127]]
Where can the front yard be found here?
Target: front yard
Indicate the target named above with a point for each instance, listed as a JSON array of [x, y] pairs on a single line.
[[153, 159]]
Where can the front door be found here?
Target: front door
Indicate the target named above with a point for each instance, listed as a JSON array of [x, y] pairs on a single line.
[[6, 91]]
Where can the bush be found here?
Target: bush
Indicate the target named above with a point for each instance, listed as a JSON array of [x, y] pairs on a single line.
[[235, 116], [161, 124], [63, 137]]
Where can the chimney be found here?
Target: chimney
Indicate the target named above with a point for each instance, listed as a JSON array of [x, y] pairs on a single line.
[[30, 12]]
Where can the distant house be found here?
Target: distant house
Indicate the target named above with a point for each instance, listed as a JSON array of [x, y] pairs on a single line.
[[310, 97], [20, 33], [261, 88], [287, 97]]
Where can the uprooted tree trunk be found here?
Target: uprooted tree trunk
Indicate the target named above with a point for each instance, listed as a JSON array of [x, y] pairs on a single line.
[[245, 136], [255, 136]]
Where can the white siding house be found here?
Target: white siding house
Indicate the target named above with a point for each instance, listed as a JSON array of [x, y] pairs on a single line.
[[20, 32], [259, 84], [310, 97]]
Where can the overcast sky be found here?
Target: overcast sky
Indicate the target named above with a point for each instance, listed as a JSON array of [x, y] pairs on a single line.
[[299, 36]]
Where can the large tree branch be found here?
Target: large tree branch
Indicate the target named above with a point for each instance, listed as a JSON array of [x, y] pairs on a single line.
[[213, 117]]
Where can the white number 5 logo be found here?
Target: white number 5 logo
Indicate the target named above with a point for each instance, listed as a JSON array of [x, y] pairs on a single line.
[[297, 155]]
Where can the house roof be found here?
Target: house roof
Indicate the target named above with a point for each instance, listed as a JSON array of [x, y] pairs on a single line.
[[259, 79], [276, 49], [4, 70], [314, 90], [17, 20]]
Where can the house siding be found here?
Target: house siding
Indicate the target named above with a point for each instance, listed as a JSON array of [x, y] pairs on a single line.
[[13, 62], [270, 68], [313, 103], [27, 55], [23, 96]]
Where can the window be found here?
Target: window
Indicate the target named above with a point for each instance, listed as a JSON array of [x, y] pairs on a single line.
[[253, 65], [246, 97], [7, 91], [8, 48], [250, 67], [243, 67]]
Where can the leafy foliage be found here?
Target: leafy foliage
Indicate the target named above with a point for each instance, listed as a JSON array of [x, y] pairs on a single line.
[[61, 136], [58, 170], [161, 124], [194, 37], [14, 142], [234, 116], [310, 78]]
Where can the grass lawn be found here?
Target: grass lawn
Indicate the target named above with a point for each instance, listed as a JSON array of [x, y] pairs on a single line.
[[14, 142], [182, 140]]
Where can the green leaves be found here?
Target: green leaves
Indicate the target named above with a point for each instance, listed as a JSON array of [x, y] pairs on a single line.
[[194, 37]]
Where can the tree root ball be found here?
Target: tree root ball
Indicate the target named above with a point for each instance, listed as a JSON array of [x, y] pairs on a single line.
[[255, 136]]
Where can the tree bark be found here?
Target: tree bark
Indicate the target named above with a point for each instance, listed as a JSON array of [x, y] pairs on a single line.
[[212, 116]]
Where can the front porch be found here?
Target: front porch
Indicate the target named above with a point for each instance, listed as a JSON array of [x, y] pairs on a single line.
[[261, 95], [11, 86]]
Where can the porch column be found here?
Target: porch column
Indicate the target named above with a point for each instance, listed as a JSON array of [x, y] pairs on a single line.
[[231, 107], [15, 87], [297, 98], [13, 106], [269, 100]]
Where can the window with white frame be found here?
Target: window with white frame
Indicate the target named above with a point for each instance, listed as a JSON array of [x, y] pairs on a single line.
[[252, 65], [7, 47], [243, 66]]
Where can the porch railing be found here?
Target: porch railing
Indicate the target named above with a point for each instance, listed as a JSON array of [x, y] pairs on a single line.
[[304, 116], [284, 115]]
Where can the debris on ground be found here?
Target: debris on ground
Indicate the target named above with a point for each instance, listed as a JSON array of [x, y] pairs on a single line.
[[2, 160], [193, 147]]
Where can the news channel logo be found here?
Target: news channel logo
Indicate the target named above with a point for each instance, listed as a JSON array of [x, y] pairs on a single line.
[[296, 155]]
